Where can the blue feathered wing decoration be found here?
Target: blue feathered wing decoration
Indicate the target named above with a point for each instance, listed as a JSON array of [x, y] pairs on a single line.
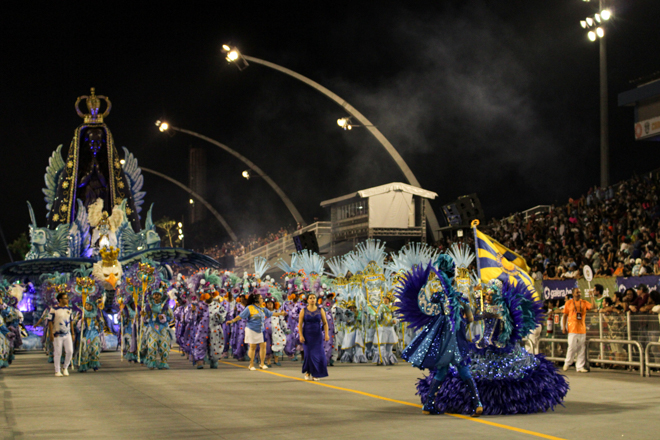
[[407, 294], [135, 179]]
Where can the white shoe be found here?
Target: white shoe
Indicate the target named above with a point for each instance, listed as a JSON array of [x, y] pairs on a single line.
[[58, 374], [253, 369], [264, 367], [65, 372], [565, 367], [316, 379], [308, 377], [582, 370]]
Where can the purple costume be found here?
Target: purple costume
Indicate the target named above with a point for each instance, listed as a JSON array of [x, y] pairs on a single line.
[[201, 337], [238, 334]]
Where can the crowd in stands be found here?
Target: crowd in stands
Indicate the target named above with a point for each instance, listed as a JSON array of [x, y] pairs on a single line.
[[614, 231], [250, 243]]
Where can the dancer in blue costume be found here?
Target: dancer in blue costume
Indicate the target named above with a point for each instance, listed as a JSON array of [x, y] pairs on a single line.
[[509, 379], [428, 300]]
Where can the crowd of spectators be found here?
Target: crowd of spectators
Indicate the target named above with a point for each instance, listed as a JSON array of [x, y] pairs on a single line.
[[615, 231], [249, 243]]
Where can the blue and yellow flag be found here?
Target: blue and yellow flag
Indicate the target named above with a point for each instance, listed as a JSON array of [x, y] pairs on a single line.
[[497, 261]]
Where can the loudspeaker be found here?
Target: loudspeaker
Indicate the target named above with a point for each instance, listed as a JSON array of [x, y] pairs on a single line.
[[227, 261], [469, 208], [306, 240], [452, 214]]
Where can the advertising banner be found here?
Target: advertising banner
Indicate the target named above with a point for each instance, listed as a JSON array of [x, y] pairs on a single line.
[[555, 289], [632, 282]]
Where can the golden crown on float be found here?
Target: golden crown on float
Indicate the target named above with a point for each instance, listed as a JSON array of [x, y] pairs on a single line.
[[93, 102], [109, 256]]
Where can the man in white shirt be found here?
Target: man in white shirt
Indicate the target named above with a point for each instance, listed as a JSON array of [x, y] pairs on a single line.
[[61, 331]]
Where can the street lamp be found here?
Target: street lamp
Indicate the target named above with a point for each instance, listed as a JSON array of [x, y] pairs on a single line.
[[257, 171], [241, 63], [598, 21]]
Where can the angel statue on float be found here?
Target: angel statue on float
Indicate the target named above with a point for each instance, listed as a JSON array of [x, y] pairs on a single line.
[[105, 226]]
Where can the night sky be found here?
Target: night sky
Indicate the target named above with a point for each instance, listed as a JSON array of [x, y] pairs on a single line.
[[500, 98]]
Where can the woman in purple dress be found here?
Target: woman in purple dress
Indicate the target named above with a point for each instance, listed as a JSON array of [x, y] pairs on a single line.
[[309, 327]]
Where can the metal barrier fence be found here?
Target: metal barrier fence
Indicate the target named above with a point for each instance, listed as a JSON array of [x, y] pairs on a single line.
[[612, 339]]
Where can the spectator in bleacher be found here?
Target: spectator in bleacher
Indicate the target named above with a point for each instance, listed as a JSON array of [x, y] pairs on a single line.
[[619, 269], [575, 311], [629, 297], [604, 270], [640, 300], [653, 303], [637, 267], [597, 296], [572, 273]]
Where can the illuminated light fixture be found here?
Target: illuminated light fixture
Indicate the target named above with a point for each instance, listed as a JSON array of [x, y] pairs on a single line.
[[123, 161], [597, 17], [180, 225], [583, 24], [345, 123], [600, 32], [590, 21], [592, 35], [234, 56], [192, 202], [606, 14], [164, 126], [246, 174]]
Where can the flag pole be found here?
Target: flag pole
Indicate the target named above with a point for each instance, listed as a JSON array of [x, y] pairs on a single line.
[[474, 225]]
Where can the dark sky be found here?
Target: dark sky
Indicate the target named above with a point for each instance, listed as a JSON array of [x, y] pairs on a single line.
[[500, 98]]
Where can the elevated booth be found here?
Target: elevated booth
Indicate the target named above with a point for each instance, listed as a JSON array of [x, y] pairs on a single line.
[[394, 210]]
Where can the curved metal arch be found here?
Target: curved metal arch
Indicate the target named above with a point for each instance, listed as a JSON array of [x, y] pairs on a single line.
[[403, 166], [198, 197], [289, 204]]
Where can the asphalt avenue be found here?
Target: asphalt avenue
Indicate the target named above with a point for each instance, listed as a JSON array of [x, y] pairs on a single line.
[[123, 401]]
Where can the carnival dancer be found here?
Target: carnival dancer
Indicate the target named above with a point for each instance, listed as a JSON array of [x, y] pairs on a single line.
[[352, 344], [386, 337], [238, 329], [279, 328], [127, 313], [327, 303], [47, 292], [92, 330], [442, 341], [209, 336], [61, 330], [310, 321], [12, 316], [157, 317], [4, 342]]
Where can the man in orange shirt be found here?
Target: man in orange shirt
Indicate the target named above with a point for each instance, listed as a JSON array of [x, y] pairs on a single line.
[[576, 309]]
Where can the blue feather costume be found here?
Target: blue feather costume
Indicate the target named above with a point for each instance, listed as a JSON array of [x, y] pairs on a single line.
[[427, 299], [509, 379]]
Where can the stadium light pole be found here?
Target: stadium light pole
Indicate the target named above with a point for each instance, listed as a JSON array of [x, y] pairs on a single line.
[[242, 61], [596, 31], [165, 126]]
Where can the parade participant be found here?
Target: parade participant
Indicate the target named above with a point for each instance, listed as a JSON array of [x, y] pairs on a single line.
[[278, 328], [209, 336], [12, 316], [309, 327], [254, 314], [92, 329], [4, 342], [49, 281], [238, 329], [442, 341], [60, 327], [127, 312], [386, 337], [157, 334], [352, 343], [327, 303]]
